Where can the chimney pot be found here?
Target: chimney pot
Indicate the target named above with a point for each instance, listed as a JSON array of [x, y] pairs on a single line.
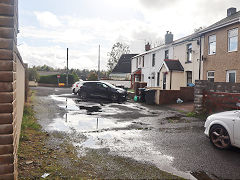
[[147, 47], [168, 37], [231, 11]]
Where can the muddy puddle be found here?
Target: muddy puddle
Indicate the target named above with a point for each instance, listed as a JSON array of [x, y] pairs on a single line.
[[98, 122], [83, 117]]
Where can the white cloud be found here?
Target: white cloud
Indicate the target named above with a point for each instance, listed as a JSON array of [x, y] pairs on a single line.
[[47, 19], [83, 34]]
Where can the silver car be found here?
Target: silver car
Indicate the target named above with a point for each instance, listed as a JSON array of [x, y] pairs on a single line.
[[223, 129]]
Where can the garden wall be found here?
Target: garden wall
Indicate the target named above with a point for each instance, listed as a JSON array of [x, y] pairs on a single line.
[[12, 89], [203, 85]]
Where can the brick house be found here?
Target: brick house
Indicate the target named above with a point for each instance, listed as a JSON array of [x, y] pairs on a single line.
[[221, 55]]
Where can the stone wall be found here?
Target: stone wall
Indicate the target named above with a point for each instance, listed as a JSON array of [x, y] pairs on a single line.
[[204, 85], [12, 89]]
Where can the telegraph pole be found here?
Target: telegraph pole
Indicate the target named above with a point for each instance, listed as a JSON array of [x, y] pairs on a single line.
[[99, 64], [67, 67]]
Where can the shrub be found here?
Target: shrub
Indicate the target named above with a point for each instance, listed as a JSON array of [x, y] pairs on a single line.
[[52, 79]]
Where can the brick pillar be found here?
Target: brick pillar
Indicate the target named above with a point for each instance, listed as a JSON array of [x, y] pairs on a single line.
[[200, 85], [8, 135]]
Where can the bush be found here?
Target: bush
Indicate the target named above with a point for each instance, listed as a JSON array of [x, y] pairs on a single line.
[[52, 79], [92, 76]]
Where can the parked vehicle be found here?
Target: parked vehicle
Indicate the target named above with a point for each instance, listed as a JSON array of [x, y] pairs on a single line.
[[223, 129], [100, 89], [76, 86]]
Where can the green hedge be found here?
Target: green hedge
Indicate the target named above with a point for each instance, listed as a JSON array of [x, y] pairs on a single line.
[[52, 79]]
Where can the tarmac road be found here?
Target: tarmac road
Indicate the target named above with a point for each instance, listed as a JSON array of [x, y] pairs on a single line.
[[157, 135]]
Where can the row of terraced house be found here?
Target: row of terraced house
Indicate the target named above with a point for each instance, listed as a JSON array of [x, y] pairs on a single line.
[[210, 54]]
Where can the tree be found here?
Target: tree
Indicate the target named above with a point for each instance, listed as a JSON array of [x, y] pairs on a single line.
[[33, 74], [92, 76], [44, 68], [117, 51], [75, 76]]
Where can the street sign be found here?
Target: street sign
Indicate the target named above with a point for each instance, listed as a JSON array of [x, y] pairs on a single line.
[[58, 76]]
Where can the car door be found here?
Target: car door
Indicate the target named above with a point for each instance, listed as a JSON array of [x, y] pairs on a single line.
[[237, 130], [102, 90], [91, 89]]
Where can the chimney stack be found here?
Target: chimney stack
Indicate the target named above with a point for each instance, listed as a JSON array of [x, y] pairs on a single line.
[[231, 11], [168, 38], [147, 47]]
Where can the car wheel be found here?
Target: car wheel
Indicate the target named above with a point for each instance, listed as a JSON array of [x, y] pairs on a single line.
[[114, 97], [74, 91], [83, 95], [219, 137]]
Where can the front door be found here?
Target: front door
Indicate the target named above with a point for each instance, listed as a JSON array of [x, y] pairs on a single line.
[[164, 81]]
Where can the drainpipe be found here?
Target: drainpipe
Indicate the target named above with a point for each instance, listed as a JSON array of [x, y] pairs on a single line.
[[200, 58], [170, 80]]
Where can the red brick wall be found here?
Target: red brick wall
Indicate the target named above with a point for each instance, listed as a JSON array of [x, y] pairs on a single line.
[[170, 96]]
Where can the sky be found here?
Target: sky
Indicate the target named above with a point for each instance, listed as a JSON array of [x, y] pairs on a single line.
[[49, 27]]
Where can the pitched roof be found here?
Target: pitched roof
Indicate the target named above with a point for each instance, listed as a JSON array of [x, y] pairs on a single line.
[[225, 21], [124, 64], [173, 65]]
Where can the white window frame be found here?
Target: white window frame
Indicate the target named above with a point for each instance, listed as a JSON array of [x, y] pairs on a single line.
[[210, 42], [153, 60], [143, 61], [167, 50], [211, 77], [187, 73], [232, 36], [189, 52], [227, 75]]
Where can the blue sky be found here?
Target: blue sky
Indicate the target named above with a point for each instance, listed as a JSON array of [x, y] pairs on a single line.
[[48, 27]]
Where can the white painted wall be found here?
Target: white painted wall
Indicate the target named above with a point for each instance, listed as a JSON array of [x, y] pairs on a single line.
[[148, 70], [180, 53], [177, 52]]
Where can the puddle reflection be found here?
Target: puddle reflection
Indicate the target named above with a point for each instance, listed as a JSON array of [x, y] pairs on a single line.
[[83, 117], [88, 119]]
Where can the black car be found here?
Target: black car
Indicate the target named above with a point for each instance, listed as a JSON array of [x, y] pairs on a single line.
[[99, 89]]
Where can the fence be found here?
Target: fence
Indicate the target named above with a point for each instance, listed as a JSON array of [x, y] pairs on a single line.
[[12, 89]]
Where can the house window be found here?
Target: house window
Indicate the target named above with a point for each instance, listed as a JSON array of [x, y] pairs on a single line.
[[233, 40], [189, 77], [137, 63], [143, 61], [210, 76], [153, 60], [189, 52], [166, 54], [142, 77], [212, 44], [231, 76], [158, 78]]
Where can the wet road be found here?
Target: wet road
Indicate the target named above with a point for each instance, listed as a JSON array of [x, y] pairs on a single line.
[[163, 137]]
